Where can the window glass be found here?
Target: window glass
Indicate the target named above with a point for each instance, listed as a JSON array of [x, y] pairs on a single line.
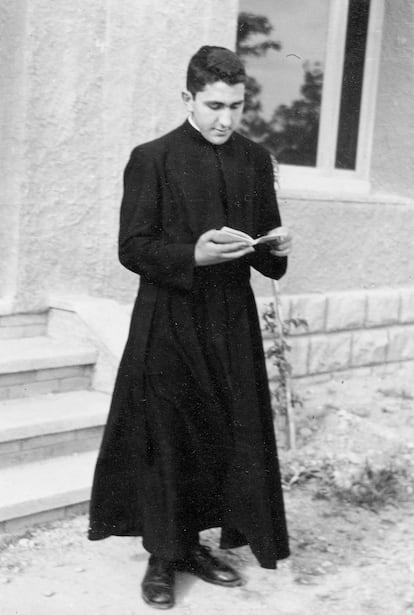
[[283, 43], [355, 46]]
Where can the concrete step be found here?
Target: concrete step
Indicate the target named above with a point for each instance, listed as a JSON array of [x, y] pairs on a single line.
[[23, 325], [48, 426], [44, 490], [38, 365]]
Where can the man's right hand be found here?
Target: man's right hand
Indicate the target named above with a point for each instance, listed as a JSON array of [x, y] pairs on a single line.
[[209, 250]]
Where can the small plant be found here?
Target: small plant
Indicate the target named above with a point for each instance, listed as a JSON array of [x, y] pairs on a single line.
[[285, 398], [365, 484], [373, 487]]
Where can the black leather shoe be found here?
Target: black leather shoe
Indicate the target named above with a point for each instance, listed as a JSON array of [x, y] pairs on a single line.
[[204, 565], [158, 584]]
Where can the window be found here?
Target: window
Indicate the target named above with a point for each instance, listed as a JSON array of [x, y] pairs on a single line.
[[312, 77]]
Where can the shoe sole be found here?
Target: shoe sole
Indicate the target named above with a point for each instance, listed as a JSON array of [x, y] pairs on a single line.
[[157, 605], [236, 583]]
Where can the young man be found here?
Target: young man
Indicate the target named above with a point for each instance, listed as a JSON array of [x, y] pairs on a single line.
[[189, 442]]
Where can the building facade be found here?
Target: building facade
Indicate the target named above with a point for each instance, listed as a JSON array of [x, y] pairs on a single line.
[[83, 83]]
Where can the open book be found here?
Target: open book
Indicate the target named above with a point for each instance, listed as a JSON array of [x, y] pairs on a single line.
[[228, 234]]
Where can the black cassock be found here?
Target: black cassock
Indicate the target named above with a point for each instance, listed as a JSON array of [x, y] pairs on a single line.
[[189, 443]]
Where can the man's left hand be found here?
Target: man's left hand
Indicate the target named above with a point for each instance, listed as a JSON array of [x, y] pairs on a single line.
[[283, 245]]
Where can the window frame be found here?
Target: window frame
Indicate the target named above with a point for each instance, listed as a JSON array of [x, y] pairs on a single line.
[[324, 176]]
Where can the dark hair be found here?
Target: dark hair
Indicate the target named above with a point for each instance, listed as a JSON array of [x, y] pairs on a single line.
[[211, 64]]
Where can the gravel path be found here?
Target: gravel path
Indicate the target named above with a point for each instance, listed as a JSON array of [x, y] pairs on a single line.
[[346, 559]]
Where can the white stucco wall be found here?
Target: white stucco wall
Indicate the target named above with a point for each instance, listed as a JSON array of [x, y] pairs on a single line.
[[340, 244], [91, 81], [12, 107], [393, 151]]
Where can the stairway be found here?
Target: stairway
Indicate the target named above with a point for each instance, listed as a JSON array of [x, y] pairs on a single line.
[[51, 423]]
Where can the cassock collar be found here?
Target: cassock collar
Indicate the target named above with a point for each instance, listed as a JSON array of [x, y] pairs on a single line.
[[191, 129], [193, 124]]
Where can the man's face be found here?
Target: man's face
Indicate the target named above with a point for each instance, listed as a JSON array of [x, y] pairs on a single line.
[[216, 110]]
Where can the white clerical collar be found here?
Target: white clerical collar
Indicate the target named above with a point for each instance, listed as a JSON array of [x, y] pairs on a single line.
[[193, 124]]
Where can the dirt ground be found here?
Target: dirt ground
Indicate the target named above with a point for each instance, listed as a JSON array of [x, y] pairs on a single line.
[[350, 509]]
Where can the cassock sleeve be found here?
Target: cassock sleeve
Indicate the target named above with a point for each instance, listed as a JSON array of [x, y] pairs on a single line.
[[267, 218], [142, 248]]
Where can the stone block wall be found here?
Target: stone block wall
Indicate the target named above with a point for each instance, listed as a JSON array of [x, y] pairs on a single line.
[[347, 331]]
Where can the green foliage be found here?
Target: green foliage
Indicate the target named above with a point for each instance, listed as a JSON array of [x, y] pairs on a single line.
[[278, 353], [291, 134], [374, 487], [293, 130], [253, 40], [250, 25], [360, 483]]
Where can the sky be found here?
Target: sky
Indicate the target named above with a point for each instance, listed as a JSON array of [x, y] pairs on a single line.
[[301, 27]]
